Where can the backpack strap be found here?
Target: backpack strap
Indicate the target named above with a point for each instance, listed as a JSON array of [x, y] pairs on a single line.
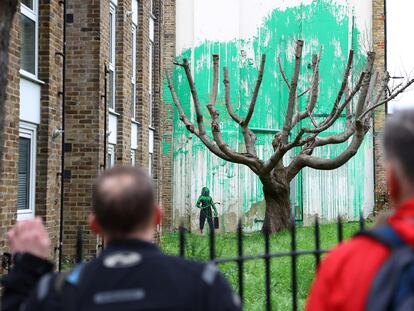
[[385, 235], [66, 284], [389, 287]]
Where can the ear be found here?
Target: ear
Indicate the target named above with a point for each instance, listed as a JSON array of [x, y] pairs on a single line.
[[393, 182], [158, 215], [93, 224]]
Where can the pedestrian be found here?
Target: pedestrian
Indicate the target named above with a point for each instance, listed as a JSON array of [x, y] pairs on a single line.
[[130, 274], [375, 269], [205, 203]]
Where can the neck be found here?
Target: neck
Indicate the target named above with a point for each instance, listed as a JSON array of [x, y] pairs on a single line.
[[143, 235]]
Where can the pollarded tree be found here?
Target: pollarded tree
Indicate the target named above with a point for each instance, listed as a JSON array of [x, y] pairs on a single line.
[[356, 100]]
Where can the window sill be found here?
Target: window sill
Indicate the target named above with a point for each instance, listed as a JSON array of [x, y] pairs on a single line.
[[28, 76], [152, 128], [135, 122], [111, 111]]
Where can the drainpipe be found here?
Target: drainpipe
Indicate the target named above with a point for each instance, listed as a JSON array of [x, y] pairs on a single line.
[[62, 172]]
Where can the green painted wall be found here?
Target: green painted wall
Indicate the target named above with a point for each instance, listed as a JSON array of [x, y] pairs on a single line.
[[320, 24]]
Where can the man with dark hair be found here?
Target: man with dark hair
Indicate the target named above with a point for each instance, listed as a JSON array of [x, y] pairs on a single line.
[[130, 274], [374, 271]]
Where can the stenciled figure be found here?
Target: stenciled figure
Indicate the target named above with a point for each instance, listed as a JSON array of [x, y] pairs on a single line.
[[205, 203]]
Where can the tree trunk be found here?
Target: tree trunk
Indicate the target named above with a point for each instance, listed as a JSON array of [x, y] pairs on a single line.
[[7, 11], [276, 191]]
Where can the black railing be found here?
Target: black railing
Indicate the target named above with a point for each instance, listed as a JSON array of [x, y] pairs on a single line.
[[293, 254], [241, 258]]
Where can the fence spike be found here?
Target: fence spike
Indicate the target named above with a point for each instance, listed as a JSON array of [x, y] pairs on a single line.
[[293, 265], [181, 232], [361, 221], [240, 259], [212, 243], [267, 267], [317, 242], [340, 229]]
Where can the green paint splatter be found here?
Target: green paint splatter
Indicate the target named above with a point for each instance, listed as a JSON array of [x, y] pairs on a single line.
[[320, 24]]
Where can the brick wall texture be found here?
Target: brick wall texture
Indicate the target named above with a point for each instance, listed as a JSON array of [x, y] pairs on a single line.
[[87, 54], [381, 193]]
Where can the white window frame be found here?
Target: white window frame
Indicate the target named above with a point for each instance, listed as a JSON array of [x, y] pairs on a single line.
[[32, 14], [133, 157], [134, 72], [112, 51], [150, 84], [28, 130], [151, 136], [151, 65], [111, 152]]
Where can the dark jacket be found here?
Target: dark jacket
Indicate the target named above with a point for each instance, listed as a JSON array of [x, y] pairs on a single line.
[[128, 275]]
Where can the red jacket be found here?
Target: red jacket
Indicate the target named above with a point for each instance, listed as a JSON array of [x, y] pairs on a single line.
[[344, 278]]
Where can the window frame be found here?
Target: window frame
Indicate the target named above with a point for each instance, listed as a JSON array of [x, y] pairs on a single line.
[[112, 52], [111, 152], [134, 72], [32, 14], [151, 142], [133, 157], [29, 131], [150, 84]]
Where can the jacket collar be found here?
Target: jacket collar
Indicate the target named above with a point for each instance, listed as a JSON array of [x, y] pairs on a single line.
[[130, 244]]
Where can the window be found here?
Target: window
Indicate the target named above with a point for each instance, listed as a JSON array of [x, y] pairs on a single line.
[[150, 64], [150, 88], [150, 163], [26, 171], [134, 71], [133, 156], [111, 156], [151, 152], [29, 34], [111, 63]]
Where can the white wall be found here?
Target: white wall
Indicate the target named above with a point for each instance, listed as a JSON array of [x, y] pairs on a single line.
[[400, 47]]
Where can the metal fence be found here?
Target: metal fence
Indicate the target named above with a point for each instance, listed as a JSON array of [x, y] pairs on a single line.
[[266, 257], [241, 258]]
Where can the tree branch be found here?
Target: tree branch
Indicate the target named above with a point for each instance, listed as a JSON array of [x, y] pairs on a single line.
[[390, 98], [362, 100], [199, 115], [283, 73], [255, 92], [306, 160], [230, 110], [190, 126], [215, 125], [345, 79], [292, 93]]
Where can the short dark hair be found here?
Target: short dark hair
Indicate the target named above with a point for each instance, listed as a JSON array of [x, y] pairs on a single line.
[[128, 204], [399, 140]]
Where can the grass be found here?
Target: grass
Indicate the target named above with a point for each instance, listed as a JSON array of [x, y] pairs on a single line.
[[254, 280]]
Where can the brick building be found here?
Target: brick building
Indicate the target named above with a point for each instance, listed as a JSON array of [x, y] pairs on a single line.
[[113, 45], [126, 43]]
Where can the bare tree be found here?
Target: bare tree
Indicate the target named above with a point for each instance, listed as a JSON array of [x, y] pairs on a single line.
[[7, 11], [356, 100]]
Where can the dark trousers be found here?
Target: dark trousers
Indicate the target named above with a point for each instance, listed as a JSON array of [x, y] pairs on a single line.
[[205, 213]]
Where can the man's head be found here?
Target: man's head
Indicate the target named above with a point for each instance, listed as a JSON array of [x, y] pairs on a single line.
[[205, 192], [399, 152], [123, 203]]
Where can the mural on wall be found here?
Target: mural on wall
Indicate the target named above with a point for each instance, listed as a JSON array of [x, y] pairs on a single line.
[[240, 31]]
